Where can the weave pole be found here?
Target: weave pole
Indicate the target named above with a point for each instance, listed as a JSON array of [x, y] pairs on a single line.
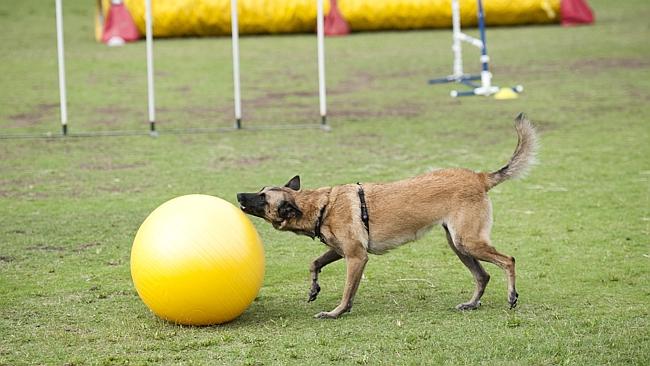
[[235, 61], [150, 84], [320, 30], [61, 61]]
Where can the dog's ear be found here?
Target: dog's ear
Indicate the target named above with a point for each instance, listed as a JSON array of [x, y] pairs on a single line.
[[294, 183], [288, 210]]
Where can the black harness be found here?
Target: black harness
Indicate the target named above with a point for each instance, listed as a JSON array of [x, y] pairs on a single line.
[[319, 222], [364, 216], [364, 209]]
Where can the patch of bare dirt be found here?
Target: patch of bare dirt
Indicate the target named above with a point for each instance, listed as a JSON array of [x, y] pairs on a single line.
[[28, 195], [111, 115], [40, 113], [85, 246], [422, 73], [46, 248], [21, 187], [120, 189], [401, 110], [579, 66], [58, 248], [112, 109], [252, 160], [185, 90], [241, 161], [108, 164], [610, 63], [361, 139], [356, 82], [283, 95]]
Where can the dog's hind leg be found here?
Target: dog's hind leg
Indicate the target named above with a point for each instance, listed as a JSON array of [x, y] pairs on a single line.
[[480, 275], [315, 268], [481, 249]]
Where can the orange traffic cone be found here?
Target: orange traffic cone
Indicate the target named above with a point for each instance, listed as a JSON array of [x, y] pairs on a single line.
[[119, 26], [575, 12], [335, 24]]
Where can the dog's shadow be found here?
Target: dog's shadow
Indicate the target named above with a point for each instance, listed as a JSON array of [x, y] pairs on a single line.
[[282, 309]]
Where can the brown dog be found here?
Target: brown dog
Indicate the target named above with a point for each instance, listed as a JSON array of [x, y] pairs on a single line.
[[354, 220]]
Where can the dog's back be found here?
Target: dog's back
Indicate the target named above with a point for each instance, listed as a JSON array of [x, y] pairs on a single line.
[[404, 210]]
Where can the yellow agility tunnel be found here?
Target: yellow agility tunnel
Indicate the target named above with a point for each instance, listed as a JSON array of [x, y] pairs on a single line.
[[177, 18]]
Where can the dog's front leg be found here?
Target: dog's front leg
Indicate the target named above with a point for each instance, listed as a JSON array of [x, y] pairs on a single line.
[[354, 265], [315, 268]]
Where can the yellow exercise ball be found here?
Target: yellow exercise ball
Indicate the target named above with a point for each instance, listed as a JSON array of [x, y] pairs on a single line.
[[197, 260]]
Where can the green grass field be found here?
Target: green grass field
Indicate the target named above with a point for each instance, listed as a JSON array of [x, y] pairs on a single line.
[[579, 225]]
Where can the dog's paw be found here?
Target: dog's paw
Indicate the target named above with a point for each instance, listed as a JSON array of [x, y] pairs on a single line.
[[468, 306], [326, 315], [313, 293], [512, 299]]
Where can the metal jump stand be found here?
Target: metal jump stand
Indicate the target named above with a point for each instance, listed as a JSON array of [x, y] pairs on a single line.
[[485, 88]]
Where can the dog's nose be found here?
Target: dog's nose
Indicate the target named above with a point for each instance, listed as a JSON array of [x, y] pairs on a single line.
[[240, 197]]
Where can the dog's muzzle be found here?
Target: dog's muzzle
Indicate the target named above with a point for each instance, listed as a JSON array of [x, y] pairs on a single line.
[[252, 203]]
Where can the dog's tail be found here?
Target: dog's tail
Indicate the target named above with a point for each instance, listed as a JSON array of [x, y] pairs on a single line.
[[522, 158]]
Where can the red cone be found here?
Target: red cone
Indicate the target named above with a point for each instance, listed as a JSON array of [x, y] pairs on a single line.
[[576, 12], [335, 24], [119, 24]]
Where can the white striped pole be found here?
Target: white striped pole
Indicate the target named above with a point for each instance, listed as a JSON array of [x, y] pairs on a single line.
[[150, 85], [62, 87], [235, 61], [321, 62], [457, 44]]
